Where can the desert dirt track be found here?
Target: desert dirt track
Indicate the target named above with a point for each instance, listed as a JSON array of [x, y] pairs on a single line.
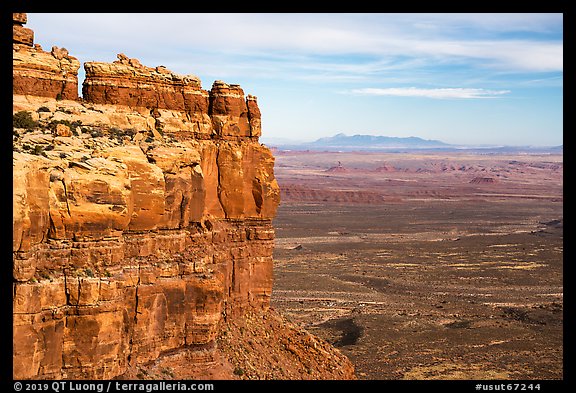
[[425, 266]]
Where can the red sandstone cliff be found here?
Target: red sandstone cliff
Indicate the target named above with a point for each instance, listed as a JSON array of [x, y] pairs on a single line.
[[36, 72], [142, 227]]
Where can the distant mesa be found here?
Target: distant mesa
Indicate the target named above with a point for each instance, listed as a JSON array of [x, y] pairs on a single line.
[[483, 180], [337, 169]]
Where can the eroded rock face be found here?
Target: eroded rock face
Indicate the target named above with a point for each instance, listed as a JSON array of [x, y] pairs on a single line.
[[142, 217], [51, 74], [120, 257], [223, 111], [127, 82], [48, 74], [228, 110], [21, 35]]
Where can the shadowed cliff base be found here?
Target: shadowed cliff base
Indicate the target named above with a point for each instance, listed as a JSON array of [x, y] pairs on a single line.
[[258, 346]]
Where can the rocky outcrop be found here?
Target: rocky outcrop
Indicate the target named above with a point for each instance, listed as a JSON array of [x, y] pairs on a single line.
[[224, 111], [337, 169], [51, 74], [231, 114], [127, 82], [142, 224], [22, 35]]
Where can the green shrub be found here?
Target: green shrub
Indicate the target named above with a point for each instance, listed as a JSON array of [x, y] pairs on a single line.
[[37, 149], [23, 119], [96, 133], [43, 109]]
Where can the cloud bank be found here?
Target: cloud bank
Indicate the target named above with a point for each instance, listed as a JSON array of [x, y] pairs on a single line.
[[441, 93]]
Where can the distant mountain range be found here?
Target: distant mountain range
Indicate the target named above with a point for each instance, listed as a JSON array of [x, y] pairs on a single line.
[[343, 142]]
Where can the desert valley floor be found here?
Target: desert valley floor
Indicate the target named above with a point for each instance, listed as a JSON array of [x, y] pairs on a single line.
[[425, 266]]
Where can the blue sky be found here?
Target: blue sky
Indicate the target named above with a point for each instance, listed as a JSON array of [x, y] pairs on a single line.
[[461, 78]]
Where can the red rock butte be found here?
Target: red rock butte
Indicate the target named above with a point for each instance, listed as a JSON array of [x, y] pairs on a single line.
[[142, 221]]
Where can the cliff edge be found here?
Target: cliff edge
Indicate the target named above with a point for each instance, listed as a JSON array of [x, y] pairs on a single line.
[[142, 228]]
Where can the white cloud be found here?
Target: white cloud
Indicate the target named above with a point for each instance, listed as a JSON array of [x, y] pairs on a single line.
[[428, 37], [438, 93], [485, 22]]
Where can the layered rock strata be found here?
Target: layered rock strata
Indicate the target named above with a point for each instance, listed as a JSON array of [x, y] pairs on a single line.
[[36, 72], [141, 219], [223, 111], [125, 249]]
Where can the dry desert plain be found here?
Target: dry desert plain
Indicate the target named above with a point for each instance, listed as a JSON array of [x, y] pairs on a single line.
[[445, 265]]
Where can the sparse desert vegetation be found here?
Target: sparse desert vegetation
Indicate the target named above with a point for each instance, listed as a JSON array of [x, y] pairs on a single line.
[[425, 270]]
